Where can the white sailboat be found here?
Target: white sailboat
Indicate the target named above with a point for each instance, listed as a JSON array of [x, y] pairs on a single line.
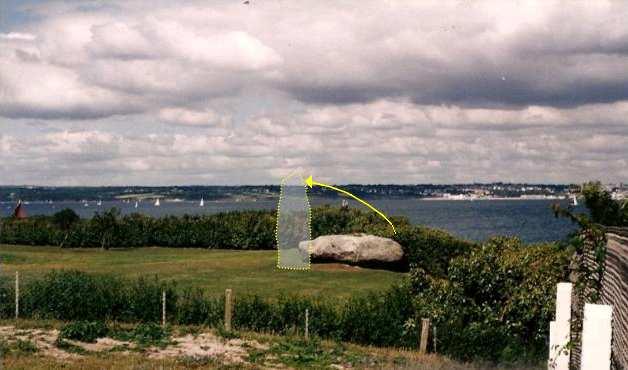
[[574, 200], [99, 203], [136, 204], [202, 203], [157, 204]]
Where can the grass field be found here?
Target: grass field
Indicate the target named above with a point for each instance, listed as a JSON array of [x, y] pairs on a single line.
[[244, 271]]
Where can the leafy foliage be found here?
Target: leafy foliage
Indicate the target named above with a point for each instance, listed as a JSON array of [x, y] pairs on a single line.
[[84, 331], [244, 230], [603, 208], [495, 303], [375, 318]]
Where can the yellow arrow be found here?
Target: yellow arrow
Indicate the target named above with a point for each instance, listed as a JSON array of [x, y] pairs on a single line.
[[310, 182]]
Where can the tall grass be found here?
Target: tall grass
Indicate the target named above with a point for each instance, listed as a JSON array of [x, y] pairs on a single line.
[[376, 318]]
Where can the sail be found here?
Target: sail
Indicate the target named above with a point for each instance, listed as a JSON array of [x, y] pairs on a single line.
[[157, 204], [202, 203]]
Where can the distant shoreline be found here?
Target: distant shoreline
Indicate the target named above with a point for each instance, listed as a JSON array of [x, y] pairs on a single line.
[[484, 199]]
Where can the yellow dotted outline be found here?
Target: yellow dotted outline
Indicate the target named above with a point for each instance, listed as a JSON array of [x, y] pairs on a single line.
[[309, 229]]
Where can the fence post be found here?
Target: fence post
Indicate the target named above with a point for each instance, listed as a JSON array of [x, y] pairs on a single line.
[[17, 294], [307, 324], [163, 308], [596, 337], [228, 309], [434, 338], [560, 329], [425, 333]]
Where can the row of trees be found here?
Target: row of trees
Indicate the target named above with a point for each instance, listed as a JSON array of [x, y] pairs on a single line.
[[233, 230]]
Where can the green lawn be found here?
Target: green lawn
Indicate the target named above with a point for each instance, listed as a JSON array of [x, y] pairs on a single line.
[[244, 271]]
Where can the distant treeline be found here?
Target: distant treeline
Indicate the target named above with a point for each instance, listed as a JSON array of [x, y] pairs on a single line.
[[246, 230], [196, 192], [79, 193]]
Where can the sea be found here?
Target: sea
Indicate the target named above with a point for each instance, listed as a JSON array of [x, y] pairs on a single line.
[[531, 220]]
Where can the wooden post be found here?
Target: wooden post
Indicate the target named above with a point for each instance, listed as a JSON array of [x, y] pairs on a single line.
[[163, 308], [307, 324], [17, 294], [228, 309], [425, 333]]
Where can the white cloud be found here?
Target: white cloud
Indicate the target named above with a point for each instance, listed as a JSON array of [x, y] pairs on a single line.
[[18, 36], [190, 117], [228, 93]]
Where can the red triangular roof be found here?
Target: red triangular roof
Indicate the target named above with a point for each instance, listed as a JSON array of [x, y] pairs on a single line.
[[19, 211]]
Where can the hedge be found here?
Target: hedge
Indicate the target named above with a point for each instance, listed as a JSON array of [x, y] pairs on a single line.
[[245, 230]]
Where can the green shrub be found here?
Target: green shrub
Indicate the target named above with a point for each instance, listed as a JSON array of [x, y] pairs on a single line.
[[84, 331], [376, 318], [144, 334], [25, 346], [73, 295], [495, 303], [431, 249]]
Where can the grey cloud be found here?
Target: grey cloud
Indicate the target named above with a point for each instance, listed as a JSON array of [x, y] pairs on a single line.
[[224, 93]]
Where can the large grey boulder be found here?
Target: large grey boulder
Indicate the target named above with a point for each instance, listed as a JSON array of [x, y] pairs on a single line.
[[355, 249]]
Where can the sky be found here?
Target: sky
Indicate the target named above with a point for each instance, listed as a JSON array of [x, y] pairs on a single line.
[[224, 92]]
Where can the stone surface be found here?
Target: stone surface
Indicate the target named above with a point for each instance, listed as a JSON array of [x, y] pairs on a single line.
[[356, 249]]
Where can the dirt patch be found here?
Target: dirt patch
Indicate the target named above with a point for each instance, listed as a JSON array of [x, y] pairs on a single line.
[[44, 340], [102, 344], [203, 345]]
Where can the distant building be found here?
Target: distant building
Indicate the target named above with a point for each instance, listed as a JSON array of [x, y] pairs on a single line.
[[19, 212]]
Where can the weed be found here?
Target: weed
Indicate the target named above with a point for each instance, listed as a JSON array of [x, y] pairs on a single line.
[[222, 332], [69, 347], [145, 335], [84, 331], [25, 346]]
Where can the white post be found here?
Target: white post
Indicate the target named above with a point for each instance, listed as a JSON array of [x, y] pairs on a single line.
[[17, 294], [560, 329], [307, 324], [563, 301], [163, 308], [596, 337]]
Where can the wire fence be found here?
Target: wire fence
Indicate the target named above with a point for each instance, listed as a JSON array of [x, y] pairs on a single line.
[[614, 292]]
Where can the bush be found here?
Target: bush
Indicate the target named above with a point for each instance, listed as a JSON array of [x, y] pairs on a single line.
[[376, 318], [496, 303], [73, 295], [84, 331], [431, 249], [150, 334]]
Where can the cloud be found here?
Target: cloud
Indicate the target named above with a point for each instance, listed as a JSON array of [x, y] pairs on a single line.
[[384, 141], [193, 117], [17, 36], [228, 93]]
